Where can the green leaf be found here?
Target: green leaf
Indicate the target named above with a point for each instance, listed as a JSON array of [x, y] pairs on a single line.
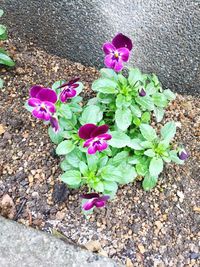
[[79, 89], [68, 124], [136, 121], [160, 100], [123, 118], [121, 101], [134, 159], [136, 110], [148, 132], [110, 186], [168, 131], [135, 75], [75, 157], [56, 138], [169, 94], [146, 102], [64, 147], [155, 167], [119, 139], [1, 12], [155, 79], [102, 161], [128, 174], [159, 113], [149, 182], [110, 173], [145, 117], [141, 168], [4, 36], [2, 29], [120, 157], [74, 107], [150, 153], [1, 83], [71, 177], [122, 79], [99, 186], [105, 86], [150, 88], [92, 162], [65, 166], [83, 168], [135, 144], [6, 60], [91, 114], [64, 111], [109, 74], [146, 144], [104, 98]]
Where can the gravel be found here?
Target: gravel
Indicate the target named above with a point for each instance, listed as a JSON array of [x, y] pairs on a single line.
[[157, 228]]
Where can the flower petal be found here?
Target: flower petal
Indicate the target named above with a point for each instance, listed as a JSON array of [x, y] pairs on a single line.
[[88, 205], [183, 155], [142, 92], [63, 96], [121, 40], [50, 106], [47, 94], [109, 61], [73, 81], [104, 198], [99, 203], [124, 53], [54, 124], [100, 130], [70, 83], [92, 150], [89, 195], [108, 48], [34, 102], [102, 146], [85, 131], [35, 90], [41, 115], [118, 66], [105, 136], [71, 93], [88, 143]]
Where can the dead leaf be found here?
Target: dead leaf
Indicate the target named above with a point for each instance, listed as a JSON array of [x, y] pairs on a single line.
[[93, 245], [141, 248], [129, 263], [7, 207], [2, 129], [196, 209]]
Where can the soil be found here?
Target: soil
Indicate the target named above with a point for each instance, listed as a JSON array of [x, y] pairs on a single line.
[[156, 228]]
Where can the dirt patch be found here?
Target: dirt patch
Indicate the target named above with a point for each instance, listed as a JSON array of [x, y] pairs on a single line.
[[157, 228]]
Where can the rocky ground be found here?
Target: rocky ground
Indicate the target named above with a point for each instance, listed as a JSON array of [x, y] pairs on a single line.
[[158, 228]]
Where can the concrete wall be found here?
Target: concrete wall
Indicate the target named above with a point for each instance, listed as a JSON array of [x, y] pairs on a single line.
[[166, 33]]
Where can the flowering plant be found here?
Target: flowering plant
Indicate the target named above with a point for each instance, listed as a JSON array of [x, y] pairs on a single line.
[[109, 141], [4, 58]]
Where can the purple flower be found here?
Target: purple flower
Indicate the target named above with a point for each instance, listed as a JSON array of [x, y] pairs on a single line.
[[95, 137], [183, 155], [117, 52], [142, 92], [68, 90], [43, 100], [54, 124], [94, 200]]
